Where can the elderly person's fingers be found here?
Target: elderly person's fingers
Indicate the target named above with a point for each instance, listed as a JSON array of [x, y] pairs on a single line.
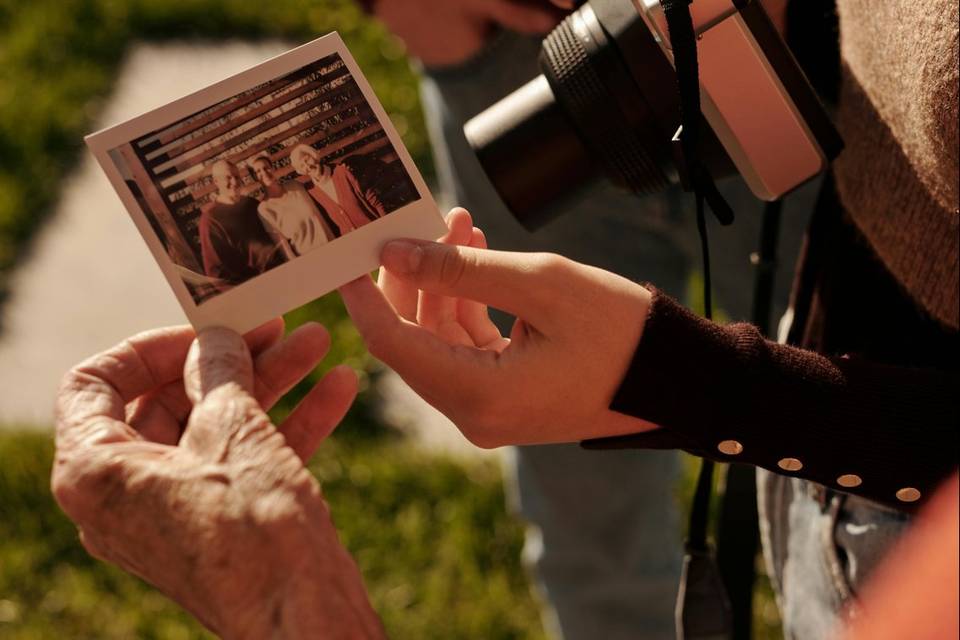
[[159, 415], [320, 411], [91, 403], [218, 357], [286, 363], [219, 380], [265, 336]]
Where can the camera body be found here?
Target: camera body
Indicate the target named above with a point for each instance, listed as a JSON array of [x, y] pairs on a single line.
[[607, 105]]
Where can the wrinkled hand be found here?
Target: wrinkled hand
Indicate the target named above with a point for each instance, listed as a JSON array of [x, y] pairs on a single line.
[[448, 32], [551, 381], [171, 469]]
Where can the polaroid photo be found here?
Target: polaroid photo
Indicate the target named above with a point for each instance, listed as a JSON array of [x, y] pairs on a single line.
[[268, 189]]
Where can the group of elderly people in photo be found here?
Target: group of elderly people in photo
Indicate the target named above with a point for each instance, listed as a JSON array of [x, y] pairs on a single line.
[[241, 237]]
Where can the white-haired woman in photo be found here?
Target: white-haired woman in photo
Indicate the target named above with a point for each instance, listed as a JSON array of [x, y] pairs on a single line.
[[336, 190]]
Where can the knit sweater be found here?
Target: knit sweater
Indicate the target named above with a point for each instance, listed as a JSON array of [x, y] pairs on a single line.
[[869, 406]]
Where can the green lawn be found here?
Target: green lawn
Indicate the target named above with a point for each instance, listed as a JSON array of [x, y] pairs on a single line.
[[439, 553]]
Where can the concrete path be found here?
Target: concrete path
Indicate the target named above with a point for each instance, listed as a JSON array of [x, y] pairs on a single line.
[[90, 280]]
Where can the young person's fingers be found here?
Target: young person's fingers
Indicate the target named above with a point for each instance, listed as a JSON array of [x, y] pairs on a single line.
[[438, 313], [320, 411], [434, 369], [287, 362], [402, 295], [474, 316], [526, 285]]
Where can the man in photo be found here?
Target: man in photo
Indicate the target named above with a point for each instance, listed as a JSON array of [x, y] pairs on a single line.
[[337, 190], [235, 245], [290, 212]]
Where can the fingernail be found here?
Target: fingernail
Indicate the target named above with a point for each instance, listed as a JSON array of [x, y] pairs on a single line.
[[402, 257]]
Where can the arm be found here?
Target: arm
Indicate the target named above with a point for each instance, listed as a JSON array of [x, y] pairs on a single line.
[[455, 30], [448, 32], [563, 368], [372, 170], [269, 217], [211, 261], [891, 427]]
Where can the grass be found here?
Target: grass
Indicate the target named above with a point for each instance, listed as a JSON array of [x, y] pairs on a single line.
[[439, 553]]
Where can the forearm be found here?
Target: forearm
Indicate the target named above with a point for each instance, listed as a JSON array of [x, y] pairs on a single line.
[[891, 427], [322, 596]]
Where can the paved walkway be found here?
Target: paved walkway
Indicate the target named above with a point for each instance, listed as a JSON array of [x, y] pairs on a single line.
[[90, 280]]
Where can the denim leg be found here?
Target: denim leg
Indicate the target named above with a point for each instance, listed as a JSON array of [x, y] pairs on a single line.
[[820, 547], [603, 537]]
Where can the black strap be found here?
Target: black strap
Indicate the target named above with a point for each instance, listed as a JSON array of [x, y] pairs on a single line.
[[683, 41], [703, 611]]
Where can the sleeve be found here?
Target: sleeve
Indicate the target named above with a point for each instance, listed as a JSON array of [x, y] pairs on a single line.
[[884, 432], [354, 168], [211, 260], [269, 217]]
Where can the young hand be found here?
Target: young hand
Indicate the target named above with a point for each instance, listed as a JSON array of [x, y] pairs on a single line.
[[448, 32], [551, 381]]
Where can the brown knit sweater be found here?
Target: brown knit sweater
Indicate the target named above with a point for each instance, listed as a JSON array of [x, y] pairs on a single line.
[[869, 405], [898, 177]]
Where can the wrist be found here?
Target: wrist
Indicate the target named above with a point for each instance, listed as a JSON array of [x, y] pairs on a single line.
[[312, 589]]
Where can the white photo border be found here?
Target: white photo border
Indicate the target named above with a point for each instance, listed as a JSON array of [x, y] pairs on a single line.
[[294, 283]]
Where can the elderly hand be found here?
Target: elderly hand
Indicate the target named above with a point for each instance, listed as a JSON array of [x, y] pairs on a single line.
[[171, 469], [448, 32], [551, 381]]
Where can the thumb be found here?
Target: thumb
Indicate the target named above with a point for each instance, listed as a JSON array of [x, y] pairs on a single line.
[[217, 357], [218, 379], [523, 284]]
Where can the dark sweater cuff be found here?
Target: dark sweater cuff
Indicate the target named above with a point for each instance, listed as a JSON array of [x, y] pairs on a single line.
[[727, 394]]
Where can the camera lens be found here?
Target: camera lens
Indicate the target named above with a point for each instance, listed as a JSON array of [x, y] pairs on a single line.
[[590, 114]]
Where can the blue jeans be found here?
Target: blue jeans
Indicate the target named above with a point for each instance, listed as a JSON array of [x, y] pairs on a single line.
[[820, 546]]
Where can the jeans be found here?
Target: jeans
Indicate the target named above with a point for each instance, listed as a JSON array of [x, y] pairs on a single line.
[[820, 546]]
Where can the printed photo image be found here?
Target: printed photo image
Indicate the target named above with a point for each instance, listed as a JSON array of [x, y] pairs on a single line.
[[268, 189], [273, 173]]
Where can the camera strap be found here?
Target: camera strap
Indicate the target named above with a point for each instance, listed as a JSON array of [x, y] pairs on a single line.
[[703, 609], [696, 177]]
